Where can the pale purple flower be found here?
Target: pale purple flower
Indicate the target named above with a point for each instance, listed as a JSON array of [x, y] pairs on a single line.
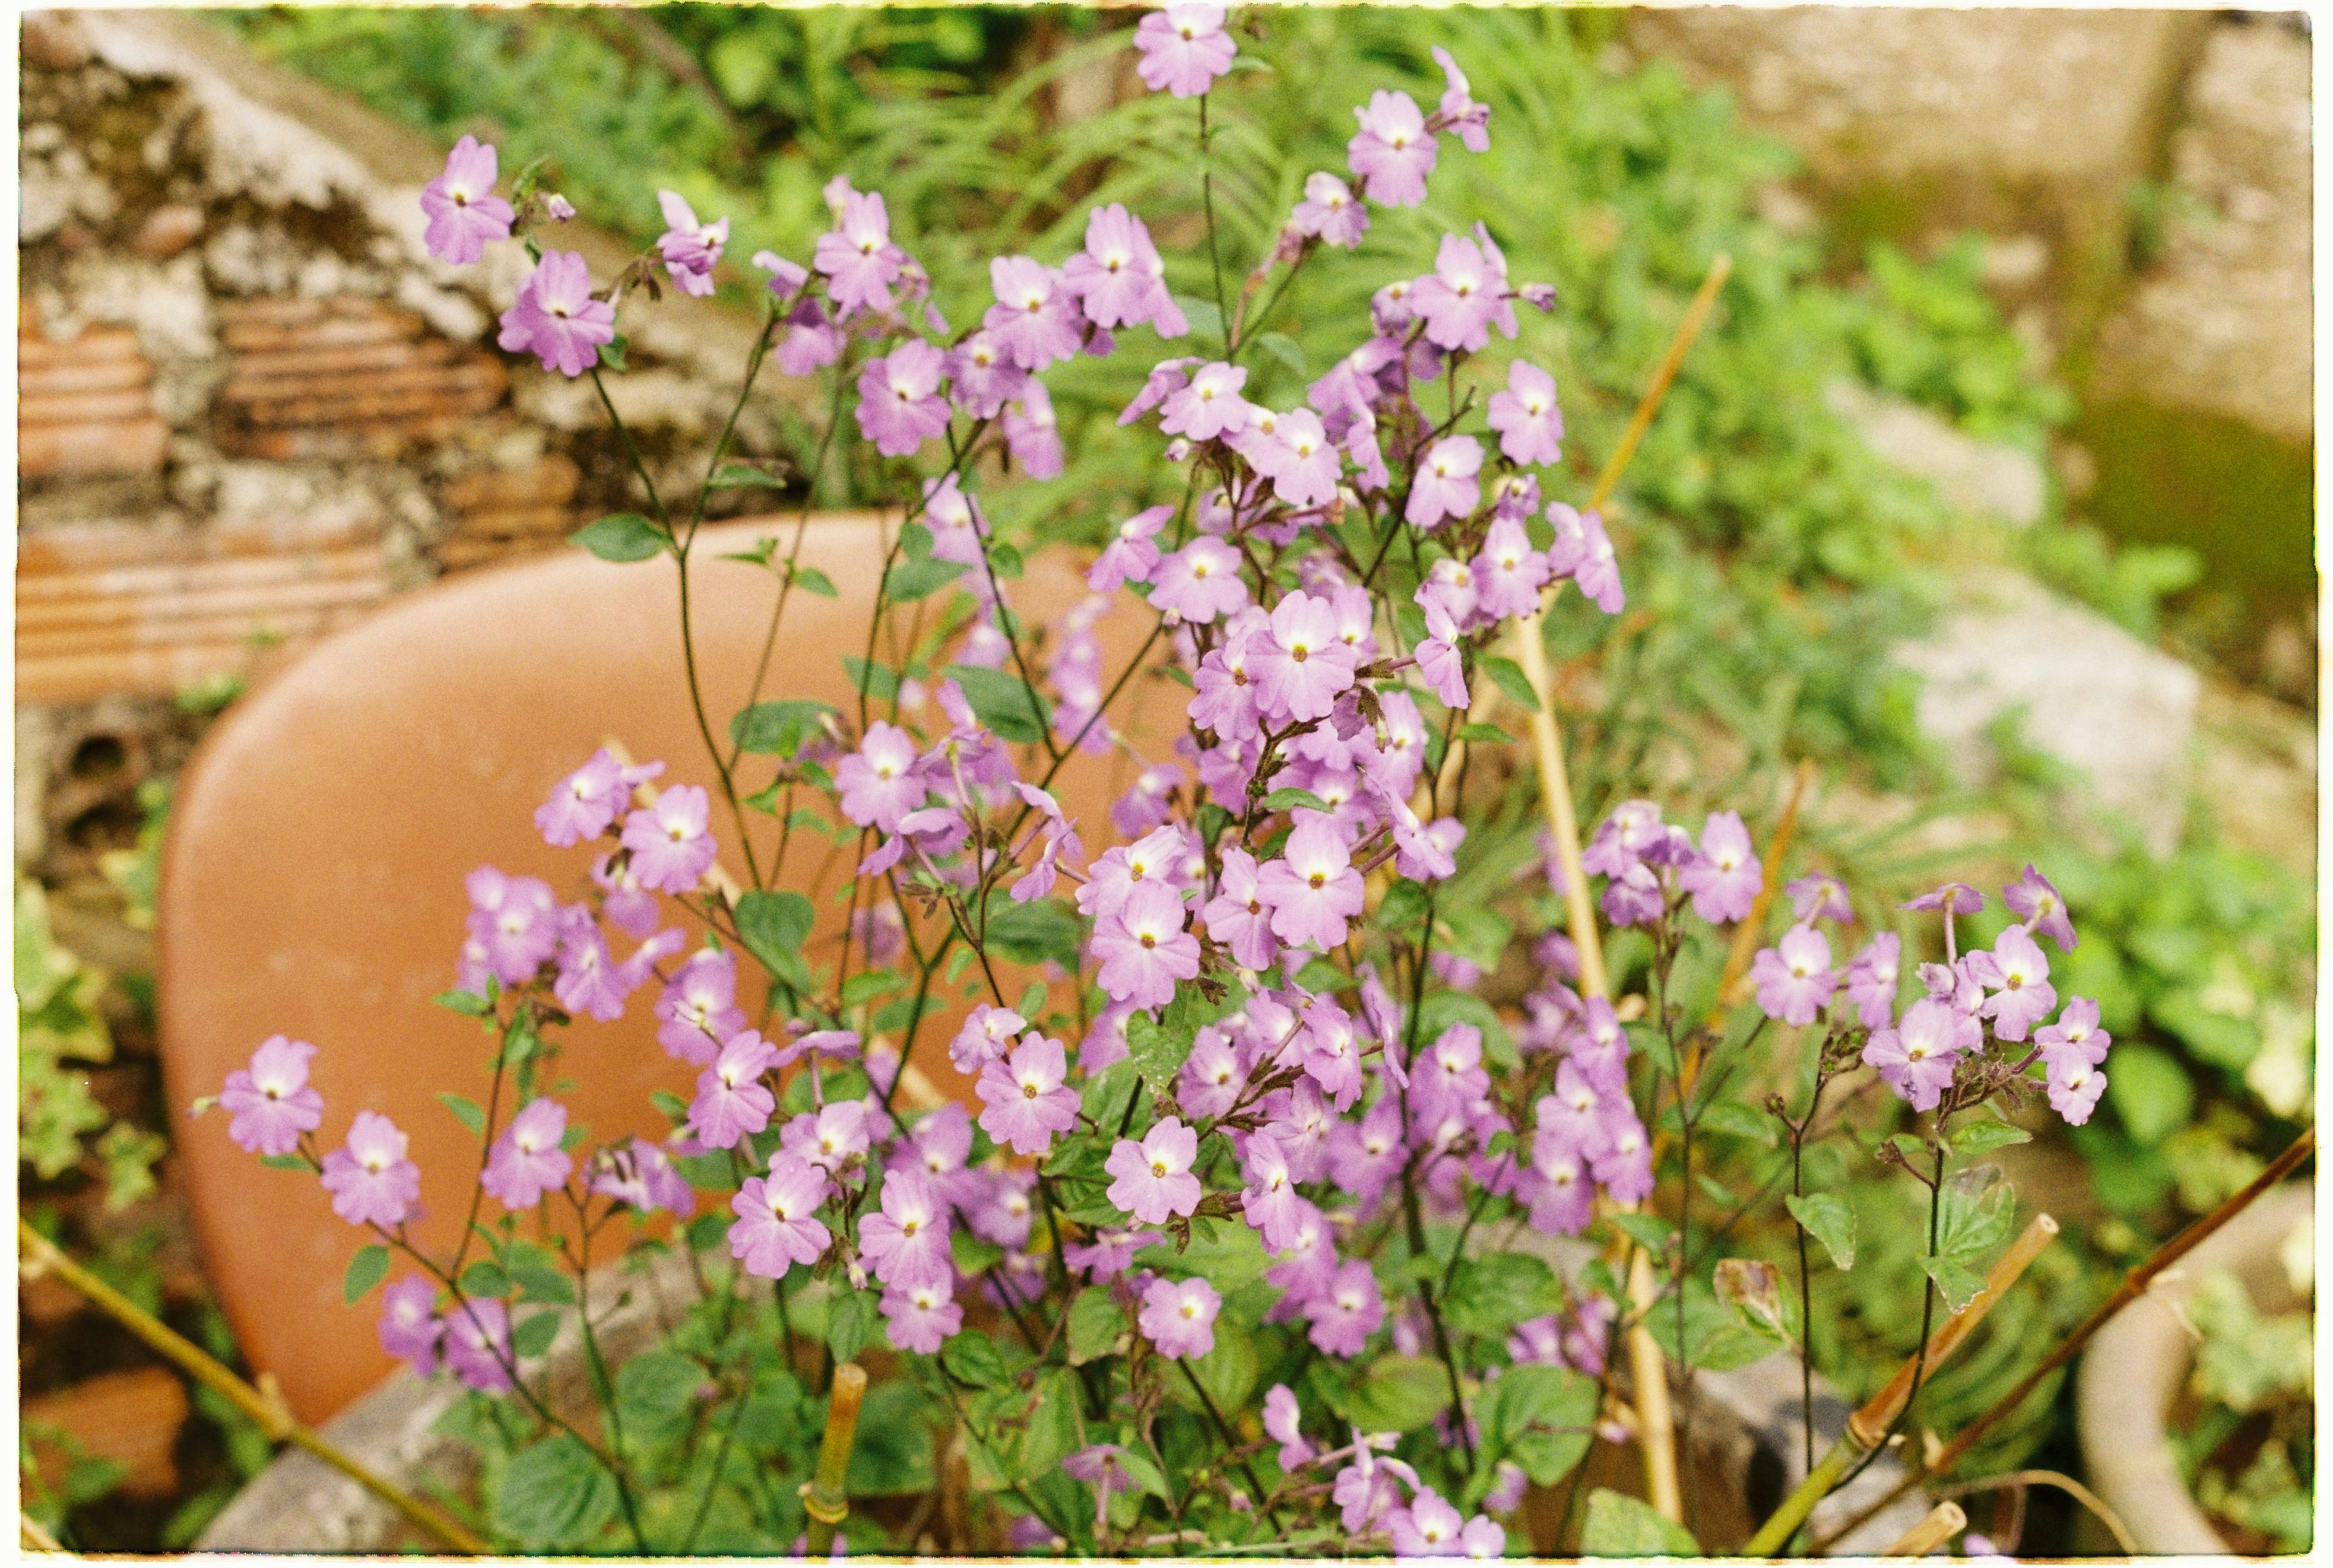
[[2074, 1087], [1026, 1098], [1872, 979], [1329, 212], [1346, 1311], [776, 1225], [1429, 1527], [1179, 1317], [587, 803], [1917, 1057], [858, 256], [1166, 377], [1392, 152], [900, 405], [922, 1317], [690, 249], [1130, 555], [1439, 659], [464, 211], [1119, 278], [1445, 484], [515, 919], [1818, 897], [907, 1244], [1143, 948], [1634, 897], [1505, 1495], [1366, 1489], [1152, 1179], [2033, 900], [1034, 318], [558, 207], [1184, 49], [1525, 416], [1582, 552], [1953, 898], [880, 782], [1794, 977], [556, 317], [1509, 573], [1282, 1417], [986, 1034], [642, 1174], [1301, 665], [410, 1328], [1209, 404], [370, 1180], [1724, 876], [271, 1102], [1312, 891], [2076, 1035], [1458, 110], [2018, 975], [1307, 463], [732, 1101], [1032, 433], [1237, 916], [1623, 1165], [527, 1160], [1461, 298], [983, 377], [478, 1344], [1270, 1199], [1200, 581], [829, 1138], [629, 907], [671, 848], [698, 1008]]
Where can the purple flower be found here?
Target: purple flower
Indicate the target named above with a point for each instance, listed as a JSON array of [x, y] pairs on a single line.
[[1917, 1057], [1509, 573], [1237, 916], [1144, 948], [1429, 1527], [410, 1328], [690, 249], [1582, 552], [2074, 1086], [1282, 1417], [1794, 977], [698, 1008], [671, 848], [1872, 978], [907, 1244], [1200, 581], [2076, 1035], [1392, 152], [1818, 897], [1270, 1200], [1438, 656], [921, 1317], [858, 256], [464, 211], [527, 1161], [628, 907], [1623, 1165], [556, 319], [732, 1102], [1365, 1490], [1130, 555], [1119, 278], [1953, 898], [642, 1174], [515, 919], [1153, 1178], [271, 1102], [1445, 485], [1458, 110], [1634, 897], [1525, 416], [1724, 877], [1329, 212], [1184, 49], [1208, 405], [982, 377], [1179, 1317], [776, 1226], [478, 1344], [987, 1033], [2019, 975], [1032, 433], [880, 782], [900, 405], [831, 1137], [1303, 663], [1034, 320], [1346, 1311], [371, 1182], [1025, 1096], [587, 803], [1461, 298], [1313, 890], [2033, 900]]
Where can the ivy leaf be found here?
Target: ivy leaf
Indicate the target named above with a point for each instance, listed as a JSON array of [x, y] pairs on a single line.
[[1621, 1527], [1830, 1220], [1490, 1294], [781, 727], [552, 1494], [623, 537], [486, 1278], [1509, 678], [1399, 1393], [1096, 1322], [1226, 1253], [1004, 703], [368, 1268], [850, 1323]]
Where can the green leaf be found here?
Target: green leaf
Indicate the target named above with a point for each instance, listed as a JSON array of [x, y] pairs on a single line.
[[656, 1387], [1399, 1393], [533, 1334], [1621, 1527], [613, 351], [1003, 701], [1736, 1120], [812, 580], [1226, 1253], [1541, 1415], [972, 1357], [283, 1161], [914, 580], [553, 1495], [893, 1455], [2150, 1092], [1830, 1220], [1096, 1323], [1228, 1372], [368, 1268], [851, 1323], [1714, 1337], [1976, 1213], [1481, 734], [781, 727], [1107, 1094], [1034, 932], [486, 1278], [1290, 799], [1286, 349], [1157, 1049], [1955, 1282], [1490, 1294], [871, 679], [469, 1003], [1649, 1232], [623, 537], [1983, 1137], [737, 476], [465, 1111], [1509, 678], [774, 928]]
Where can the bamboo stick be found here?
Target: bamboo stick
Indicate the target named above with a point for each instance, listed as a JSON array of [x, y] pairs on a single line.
[[1944, 1522], [825, 1495]]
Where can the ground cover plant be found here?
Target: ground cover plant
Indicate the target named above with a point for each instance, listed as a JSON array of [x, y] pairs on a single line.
[[1255, 1240]]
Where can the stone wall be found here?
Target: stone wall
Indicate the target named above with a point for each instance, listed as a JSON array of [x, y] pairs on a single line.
[[251, 405]]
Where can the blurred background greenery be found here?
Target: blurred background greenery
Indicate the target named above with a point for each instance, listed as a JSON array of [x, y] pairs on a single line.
[[1773, 560]]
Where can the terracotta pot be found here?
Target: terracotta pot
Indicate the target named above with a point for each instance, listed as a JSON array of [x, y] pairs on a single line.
[[2134, 1370], [312, 881]]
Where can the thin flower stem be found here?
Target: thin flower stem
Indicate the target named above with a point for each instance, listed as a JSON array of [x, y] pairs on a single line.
[[1207, 197], [1231, 1439]]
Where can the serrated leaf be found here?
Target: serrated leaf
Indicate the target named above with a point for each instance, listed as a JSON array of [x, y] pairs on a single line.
[[1829, 1218], [1956, 1282], [1621, 1527], [624, 537], [972, 1357], [851, 1323], [1399, 1393], [1509, 678], [368, 1268], [554, 1494], [1490, 1295], [1225, 1253]]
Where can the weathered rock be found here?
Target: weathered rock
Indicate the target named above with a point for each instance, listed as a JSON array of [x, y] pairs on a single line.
[[1987, 477], [2091, 694], [168, 230]]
